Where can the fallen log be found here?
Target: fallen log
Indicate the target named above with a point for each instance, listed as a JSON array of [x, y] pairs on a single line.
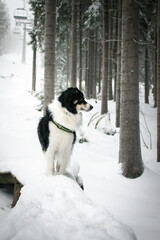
[[9, 178]]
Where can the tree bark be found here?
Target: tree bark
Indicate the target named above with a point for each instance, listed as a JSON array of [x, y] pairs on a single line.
[[130, 150], [155, 76], [158, 83], [155, 64], [110, 51], [74, 45], [68, 60], [49, 62], [34, 56], [80, 45], [95, 66], [91, 70], [104, 106], [115, 44], [146, 76], [118, 64], [86, 76], [34, 69], [99, 67]]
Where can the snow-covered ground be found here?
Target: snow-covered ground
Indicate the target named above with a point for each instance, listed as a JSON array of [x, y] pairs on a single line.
[[111, 206]]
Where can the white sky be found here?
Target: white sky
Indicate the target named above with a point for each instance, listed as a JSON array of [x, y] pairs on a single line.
[[12, 5]]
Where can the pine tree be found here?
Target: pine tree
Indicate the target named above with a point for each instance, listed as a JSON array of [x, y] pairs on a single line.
[[90, 65], [93, 31], [147, 43], [34, 56], [110, 51], [80, 45], [118, 64], [37, 33], [158, 83], [4, 24], [74, 45], [49, 65], [104, 106], [130, 150], [146, 76]]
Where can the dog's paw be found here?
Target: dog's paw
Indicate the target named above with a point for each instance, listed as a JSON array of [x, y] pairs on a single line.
[[50, 173]]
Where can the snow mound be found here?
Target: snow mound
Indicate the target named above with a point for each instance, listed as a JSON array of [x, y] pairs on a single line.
[[56, 208]]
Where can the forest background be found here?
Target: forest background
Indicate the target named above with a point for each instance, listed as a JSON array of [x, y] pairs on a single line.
[[110, 50]]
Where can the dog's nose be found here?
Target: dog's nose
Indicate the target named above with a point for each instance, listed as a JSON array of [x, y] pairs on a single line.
[[91, 107]]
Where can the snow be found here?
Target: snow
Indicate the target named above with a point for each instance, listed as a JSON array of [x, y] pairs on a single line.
[[110, 207], [60, 213]]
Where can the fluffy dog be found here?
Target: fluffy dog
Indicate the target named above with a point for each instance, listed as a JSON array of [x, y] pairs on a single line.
[[57, 129]]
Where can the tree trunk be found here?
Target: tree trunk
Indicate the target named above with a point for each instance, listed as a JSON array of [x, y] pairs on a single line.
[[68, 59], [86, 76], [155, 61], [49, 62], [118, 64], [104, 106], [146, 76], [34, 56], [34, 69], [95, 67], [90, 63], [110, 51], [155, 76], [80, 46], [115, 44], [158, 83], [74, 45], [130, 150], [99, 67]]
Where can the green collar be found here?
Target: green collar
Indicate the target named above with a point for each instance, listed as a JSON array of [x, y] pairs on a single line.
[[65, 129], [61, 127]]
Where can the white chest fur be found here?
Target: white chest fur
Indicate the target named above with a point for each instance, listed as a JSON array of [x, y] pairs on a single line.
[[64, 117]]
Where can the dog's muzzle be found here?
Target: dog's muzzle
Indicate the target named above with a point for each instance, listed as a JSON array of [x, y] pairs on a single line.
[[87, 107]]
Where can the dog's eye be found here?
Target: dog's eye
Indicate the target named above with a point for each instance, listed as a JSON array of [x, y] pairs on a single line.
[[81, 101]]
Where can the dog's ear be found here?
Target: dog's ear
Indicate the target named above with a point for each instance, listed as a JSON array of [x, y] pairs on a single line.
[[62, 99], [76, 90], [67, 100]]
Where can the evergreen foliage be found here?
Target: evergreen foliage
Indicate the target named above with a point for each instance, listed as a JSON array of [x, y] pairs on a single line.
[[4, 23], [91, 11], [37, 33]]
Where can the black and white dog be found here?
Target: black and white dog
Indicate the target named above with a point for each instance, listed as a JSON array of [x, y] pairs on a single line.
[[56, 130]]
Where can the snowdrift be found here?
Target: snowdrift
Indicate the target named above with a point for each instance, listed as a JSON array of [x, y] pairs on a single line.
[[57, 208]]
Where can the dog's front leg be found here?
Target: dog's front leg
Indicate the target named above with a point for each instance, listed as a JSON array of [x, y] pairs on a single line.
[[63, 161], [50, 160]]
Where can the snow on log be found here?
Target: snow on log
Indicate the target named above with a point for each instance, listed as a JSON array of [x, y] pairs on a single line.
[[56, 208]]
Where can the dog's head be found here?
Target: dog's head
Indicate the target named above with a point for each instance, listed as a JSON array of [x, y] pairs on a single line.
[[73, 100]]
